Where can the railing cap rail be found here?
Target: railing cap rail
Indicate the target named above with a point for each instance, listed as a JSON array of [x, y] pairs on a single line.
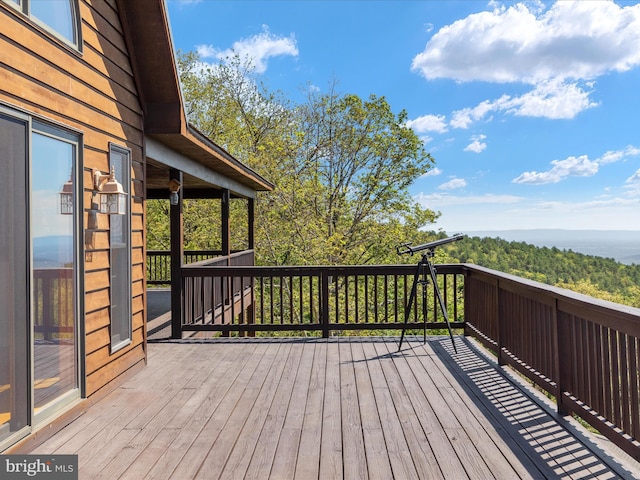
[[196, 269], [561, 294]]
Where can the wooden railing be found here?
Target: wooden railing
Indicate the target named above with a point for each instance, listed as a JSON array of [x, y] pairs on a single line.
[[583, 351], [321, 299], [53, 307], [159, 263], [207, 298]]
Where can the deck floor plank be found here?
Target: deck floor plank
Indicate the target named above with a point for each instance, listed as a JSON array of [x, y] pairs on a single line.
[[331, 439], [379, 464], [188, 434], [352, 437], [523, 422], [263, 456], [254, 372], [399, 455], [212, 371], [157, 422], [308, 463], [249, 433], [419, 394], [286, 455], [324, 409]]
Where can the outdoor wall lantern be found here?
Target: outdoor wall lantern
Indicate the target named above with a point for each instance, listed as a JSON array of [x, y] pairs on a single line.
[[112, 198], [66, 198], [174, 188]]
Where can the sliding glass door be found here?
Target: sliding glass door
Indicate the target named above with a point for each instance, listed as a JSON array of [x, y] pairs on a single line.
[[55, 357], [14, 285], [39, 366]]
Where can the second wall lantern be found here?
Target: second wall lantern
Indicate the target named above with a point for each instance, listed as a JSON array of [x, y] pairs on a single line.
[[112, 197]]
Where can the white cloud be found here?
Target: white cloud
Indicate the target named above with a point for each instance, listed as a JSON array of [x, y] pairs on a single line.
[[432, 172], [632, 184], [526, 43], [558, 51], [477, 145], [428, 123], [575, 167], [453, 184], [635, 178], [504, 212], [257, 48], [553, 99], [437, 200], [463, 118], [615, 156]]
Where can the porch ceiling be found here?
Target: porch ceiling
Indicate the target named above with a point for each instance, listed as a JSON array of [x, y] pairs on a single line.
[[205, 175], [157, 178]]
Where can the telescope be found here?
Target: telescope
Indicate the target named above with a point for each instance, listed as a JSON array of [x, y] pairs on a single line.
[[420, 278], [428, 246]]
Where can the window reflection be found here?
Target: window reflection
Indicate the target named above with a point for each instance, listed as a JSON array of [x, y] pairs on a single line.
[[57, 14], [53, 267]]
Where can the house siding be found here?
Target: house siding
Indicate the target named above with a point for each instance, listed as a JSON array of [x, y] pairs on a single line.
[[93, 92]]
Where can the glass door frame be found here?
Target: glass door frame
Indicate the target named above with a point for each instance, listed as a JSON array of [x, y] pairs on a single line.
[[64, 134]]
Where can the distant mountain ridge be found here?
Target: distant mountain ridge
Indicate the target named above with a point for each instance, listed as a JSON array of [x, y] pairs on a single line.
[[621, 245], [54, 251]]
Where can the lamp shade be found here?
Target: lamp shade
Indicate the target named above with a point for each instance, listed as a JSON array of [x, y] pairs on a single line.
[[113, 199]]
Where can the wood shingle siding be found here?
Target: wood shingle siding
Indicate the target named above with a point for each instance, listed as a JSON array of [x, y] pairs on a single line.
[[92, 91]]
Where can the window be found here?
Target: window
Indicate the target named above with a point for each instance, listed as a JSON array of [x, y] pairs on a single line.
[[58, 16], [120, 246]]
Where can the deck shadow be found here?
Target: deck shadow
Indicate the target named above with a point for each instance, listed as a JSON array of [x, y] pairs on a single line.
[[554, 443]]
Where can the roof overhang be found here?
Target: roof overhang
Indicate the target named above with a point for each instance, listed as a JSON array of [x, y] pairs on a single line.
[[171, 140], [198, 176]]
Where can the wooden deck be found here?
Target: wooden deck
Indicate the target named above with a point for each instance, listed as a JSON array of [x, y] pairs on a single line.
[[311, 408]]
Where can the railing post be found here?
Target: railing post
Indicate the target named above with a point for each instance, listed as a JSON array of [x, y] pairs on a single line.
[[499, 327], [560, 352], [324, 302], [177, 255]]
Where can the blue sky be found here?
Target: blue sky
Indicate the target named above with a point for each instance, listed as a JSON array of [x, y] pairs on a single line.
[[530, 109]]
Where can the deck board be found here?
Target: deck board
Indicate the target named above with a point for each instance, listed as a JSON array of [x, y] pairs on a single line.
[[315, 408]]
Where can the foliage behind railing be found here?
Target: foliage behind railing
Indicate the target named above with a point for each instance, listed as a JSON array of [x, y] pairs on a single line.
[[325, 298], [584, 351]]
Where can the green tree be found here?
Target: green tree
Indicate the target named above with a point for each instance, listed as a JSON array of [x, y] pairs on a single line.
[[358, 159], [341, 165]]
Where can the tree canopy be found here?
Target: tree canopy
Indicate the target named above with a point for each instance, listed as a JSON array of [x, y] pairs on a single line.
[[341, 165]]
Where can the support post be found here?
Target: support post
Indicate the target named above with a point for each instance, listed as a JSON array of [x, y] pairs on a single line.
[[177, 255], [251, 221], [226, 225]]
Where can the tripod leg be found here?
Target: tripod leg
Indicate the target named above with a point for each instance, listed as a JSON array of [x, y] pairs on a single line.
[[412, 297], [442, 305]]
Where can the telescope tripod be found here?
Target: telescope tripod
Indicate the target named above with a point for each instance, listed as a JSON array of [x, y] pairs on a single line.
[[420, 278]]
